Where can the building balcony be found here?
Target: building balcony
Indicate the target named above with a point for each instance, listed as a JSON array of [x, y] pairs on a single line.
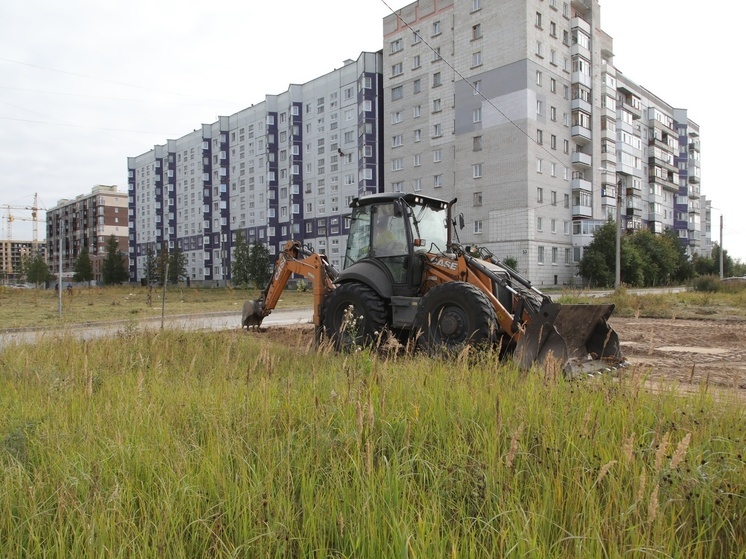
[[582, 79], [580, 159], [581, 24], [581, 135], [652, 216], [694, 178], [582, 211], [580, 104], [579, 50], [582, 184]]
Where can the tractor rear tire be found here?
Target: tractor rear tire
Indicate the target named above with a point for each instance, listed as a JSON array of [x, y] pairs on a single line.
[[453, 315], [354, 316]]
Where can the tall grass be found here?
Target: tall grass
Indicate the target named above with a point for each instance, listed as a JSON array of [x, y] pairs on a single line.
[[175, 444]]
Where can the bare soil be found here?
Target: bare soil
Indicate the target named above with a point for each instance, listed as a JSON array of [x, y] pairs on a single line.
[[688, 352], [695, 352]]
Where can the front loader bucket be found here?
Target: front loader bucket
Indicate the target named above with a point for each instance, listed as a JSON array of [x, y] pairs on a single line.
[[573, 335], [251, 314]]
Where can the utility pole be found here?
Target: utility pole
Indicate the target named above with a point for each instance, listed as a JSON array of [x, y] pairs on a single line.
[[721, 247], [618, 247]]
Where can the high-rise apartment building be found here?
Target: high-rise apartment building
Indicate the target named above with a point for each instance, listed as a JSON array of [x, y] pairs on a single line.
[[285, 168], [86, 222], [12, 255], [515, 108]]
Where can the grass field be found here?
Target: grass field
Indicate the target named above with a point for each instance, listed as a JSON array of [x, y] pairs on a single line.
[[174, 444], [32, 308]]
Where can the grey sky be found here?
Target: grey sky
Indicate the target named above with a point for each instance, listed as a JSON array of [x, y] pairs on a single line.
[[84, 83]]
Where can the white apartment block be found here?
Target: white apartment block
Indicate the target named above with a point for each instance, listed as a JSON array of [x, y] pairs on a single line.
[[515, 108], [285, 168]]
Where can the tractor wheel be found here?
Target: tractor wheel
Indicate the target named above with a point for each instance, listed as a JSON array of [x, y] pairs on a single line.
[[453, 315], [354, 316]]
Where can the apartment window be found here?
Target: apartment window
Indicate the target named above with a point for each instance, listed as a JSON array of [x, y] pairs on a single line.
[[417, 185], [553, 198], [477, 199], [397, 141], [539, 224], [396, 117], [397, 186], [396, 45], [437, 156], [568, 256], [553, 85], [476, 5], [476, 171], [477, 86], [476, 59], [436, 79], [538, 20], [416, 160], [553, 29], [540, 194], [553, 169], [538, 77], [539, 137], [554, 255], [539, 108], [436, 54], [416, 62], [436, 28], [438, 181], [436, 105], [397, 93], [478, 227], [553, 141], [539, 49], [477, 115], [397, 164], [476, 31], [417, 111], [437, 130], [476, 143], [540, 257], [418, 135], [416, 37], [567, 200], [397, 69]]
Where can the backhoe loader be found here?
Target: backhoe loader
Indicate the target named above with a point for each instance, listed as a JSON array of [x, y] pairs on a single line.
[[405, 275]]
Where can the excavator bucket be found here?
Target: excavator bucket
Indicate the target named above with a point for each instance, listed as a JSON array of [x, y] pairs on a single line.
[[576, 336], [251, 314]]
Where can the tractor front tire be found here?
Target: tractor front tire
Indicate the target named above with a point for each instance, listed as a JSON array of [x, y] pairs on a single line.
[[453, 315], [354, 316]]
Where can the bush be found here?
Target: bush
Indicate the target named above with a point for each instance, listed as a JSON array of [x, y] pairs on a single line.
[[707, 283]]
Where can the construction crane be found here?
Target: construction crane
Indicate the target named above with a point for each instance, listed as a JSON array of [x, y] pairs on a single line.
[[34, 209]]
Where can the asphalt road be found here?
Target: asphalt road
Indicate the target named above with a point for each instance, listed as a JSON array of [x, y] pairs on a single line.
[[213, 321]]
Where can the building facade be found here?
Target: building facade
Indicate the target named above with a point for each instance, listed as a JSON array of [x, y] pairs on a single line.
[[285, 168], [515, 108], [12, 255], [86, 222]]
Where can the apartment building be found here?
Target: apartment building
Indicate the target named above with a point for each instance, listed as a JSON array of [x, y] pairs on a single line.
[[285, 168], [515, 108], [12, 255], [86, 222]]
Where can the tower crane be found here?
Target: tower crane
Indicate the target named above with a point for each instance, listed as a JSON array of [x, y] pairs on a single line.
[[34, 209]]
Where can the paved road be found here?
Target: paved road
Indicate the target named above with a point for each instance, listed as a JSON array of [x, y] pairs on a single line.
[[213, 321]]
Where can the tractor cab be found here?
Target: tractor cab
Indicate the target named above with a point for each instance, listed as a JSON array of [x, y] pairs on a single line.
[[392, 230]]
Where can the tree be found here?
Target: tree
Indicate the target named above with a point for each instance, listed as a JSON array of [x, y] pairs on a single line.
[[177, 266], [240, 272], [83, 267], [511, 261], [151, 266], [113, 268], [162, 265], [684, 268], [35, 269], [259, 269], [598, 264], [727, 262]]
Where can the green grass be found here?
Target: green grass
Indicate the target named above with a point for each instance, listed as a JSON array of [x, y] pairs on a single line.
[[728, 303], [175, 444], [32, 308]]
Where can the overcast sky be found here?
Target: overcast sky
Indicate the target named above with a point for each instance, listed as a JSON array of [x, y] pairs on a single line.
[[86, 83]]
